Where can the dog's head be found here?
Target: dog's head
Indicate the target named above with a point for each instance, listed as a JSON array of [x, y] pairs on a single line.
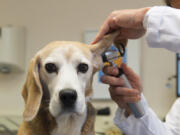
[[61, 74]]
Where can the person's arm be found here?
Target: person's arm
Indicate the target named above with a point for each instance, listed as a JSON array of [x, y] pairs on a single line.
[[129, 22], [149, 124], [162, 26]]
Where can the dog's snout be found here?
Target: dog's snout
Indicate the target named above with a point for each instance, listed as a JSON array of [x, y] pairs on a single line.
[[68, 97]]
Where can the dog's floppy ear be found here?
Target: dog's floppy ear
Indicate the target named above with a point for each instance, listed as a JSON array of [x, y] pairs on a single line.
[[32, 90], [100, 47]]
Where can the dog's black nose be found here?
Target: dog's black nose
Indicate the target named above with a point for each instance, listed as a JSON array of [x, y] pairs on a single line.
[[68, 97]]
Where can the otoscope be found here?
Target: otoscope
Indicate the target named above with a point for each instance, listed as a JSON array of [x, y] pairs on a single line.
[[111, 56]]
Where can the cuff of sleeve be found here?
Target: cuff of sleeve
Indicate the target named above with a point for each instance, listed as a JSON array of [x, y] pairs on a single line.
[[123, 122], [154, 11], [148, 124], [152, 23]]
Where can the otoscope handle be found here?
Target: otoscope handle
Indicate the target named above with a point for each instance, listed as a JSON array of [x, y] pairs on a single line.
[[136, 108]]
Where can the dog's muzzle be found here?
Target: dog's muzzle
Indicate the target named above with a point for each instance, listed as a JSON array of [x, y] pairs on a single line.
[[68, 97]]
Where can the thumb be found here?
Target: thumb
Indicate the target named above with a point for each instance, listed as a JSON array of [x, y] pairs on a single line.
[[103, 31], [132, 77], [99, 36], [130, 74]]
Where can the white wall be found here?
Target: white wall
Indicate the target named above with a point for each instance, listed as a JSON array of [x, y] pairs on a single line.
[[157, 66], [47, 20]]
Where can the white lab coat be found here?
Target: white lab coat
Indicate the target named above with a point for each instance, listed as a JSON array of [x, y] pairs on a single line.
[[163, 31]]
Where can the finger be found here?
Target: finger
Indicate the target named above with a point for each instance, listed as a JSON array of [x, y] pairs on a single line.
[[122, 91], [130, 99], [112, 80], [109, 70], [132, 77], [124, 98], [130, 74], [124, 106], [117, 99], [121, 104], [103, 30], [108, 27]]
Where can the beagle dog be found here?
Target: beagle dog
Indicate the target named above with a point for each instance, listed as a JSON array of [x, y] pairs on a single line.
[[58, 86]]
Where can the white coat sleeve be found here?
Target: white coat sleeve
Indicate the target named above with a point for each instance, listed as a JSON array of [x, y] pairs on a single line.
[[173, 118], [162, 26], [149, 124]]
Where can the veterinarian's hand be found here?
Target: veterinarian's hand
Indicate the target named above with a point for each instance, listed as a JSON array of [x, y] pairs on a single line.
[[119, 93], [128, 22]]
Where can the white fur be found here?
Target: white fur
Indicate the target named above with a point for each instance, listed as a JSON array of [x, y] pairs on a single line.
[[67, 77], [68, 125]]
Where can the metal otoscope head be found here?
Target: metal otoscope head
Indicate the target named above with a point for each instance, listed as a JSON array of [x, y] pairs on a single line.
[[112, 54]]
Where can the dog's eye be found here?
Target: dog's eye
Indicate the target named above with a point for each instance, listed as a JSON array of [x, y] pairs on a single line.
[[51, 68], [83, 68]]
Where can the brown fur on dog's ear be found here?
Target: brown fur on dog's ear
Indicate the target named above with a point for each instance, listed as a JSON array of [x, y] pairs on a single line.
[[32, 90], [100, 47], [104, 43]]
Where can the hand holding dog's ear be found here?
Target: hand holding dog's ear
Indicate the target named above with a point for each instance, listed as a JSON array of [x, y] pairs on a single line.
[[119, 93], [128, 22]]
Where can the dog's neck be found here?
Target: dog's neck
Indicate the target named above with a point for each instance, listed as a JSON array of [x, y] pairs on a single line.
[[78, 125], [70, 123], [46, 124]]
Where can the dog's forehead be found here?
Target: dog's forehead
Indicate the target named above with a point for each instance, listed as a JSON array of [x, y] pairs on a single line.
[[65, 48]]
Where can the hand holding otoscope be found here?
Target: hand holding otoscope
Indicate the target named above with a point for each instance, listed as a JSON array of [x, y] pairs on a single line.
[[112, 56]]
